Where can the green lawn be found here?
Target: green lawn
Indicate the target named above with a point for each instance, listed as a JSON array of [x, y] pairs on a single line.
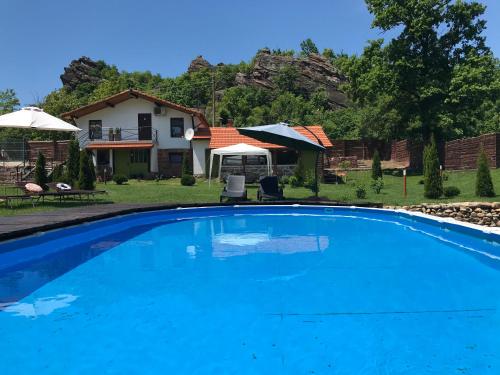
[[170, 191]]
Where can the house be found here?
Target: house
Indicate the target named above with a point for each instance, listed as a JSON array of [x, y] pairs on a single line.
[[138, 135]]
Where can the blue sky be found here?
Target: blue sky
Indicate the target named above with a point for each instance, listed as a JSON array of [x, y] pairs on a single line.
[[40, 38]]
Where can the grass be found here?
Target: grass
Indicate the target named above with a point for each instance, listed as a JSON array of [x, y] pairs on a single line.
[[171, 191]]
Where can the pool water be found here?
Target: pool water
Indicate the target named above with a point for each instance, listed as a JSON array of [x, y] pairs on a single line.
[[274, 290]]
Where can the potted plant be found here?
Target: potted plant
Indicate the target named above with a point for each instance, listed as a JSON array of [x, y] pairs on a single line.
[[110, 134], [118, 134]]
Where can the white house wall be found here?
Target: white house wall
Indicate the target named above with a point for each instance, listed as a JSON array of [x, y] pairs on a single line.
[[199, 156], [124, 116]]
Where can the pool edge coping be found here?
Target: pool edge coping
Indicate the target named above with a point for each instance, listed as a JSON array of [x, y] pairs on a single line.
[[441, 221]]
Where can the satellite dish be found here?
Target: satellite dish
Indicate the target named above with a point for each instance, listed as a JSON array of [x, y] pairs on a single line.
[[189, 134]]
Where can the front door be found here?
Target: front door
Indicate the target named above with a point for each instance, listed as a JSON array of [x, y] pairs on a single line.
[[144, 126]]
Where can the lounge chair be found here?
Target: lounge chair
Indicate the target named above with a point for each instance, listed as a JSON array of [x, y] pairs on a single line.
[[269, 189], [234, 189]]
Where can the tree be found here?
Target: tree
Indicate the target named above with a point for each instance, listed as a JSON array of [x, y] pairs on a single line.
[[433, 184], [187, 178], [435, 44], [73, 162], [8, 101], [41, 171], [307, 47], [376, 166], [86, 175], [484, 183]]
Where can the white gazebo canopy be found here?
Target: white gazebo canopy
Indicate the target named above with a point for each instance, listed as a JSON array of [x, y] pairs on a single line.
[[240, 149], [35, 118]]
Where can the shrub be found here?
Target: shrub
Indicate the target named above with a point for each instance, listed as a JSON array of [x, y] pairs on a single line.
[[294, 182], [484, 184], [451, 191], [187, 178], [433, 184], [420, 182], [311, 183], [397, 173], [285, 180], [360, 192], [119, 179], [86, 178], [378, 185], [299, 172], [40, 171], [376, 166], [58, 173], [73, 163]]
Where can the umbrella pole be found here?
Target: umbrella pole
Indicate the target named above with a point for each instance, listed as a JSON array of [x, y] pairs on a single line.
[[316, 175]]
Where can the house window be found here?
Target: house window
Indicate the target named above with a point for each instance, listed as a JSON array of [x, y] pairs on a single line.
[[139, 156], [102, 157], [95, 129], [177, 127], [175, 158]]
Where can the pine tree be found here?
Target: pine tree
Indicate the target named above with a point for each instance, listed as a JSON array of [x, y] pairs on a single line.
[[484, 183], [73, 162], [40, 171], [85, 179], [187, 178], [376, 166], [433, 184]]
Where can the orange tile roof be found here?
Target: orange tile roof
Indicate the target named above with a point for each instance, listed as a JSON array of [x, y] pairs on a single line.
[[119, 145], [222, 137]]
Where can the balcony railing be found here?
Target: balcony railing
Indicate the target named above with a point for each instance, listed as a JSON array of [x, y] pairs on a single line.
[[108, 134]]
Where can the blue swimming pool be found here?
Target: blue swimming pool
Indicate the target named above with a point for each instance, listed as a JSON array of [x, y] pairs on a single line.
[[252, 290]]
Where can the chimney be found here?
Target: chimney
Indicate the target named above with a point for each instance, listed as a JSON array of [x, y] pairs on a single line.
[[230, 123]]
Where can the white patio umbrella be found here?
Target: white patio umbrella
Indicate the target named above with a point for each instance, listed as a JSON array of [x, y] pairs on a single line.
[[35, 118]]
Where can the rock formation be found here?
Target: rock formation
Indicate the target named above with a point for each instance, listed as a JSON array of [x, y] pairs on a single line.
[[314, 72], [198, 63], [82, 70]]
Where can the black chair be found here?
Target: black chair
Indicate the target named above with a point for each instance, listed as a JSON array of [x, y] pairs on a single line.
[[269, 188], [234, 189]]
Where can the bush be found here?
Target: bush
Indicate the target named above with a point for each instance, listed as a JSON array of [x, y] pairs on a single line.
[[58, 173], [360, 192], [188, 180], [299, 172], [73, 163], [119, 179], [484, 184], [376, 166], [420, 182], [378, 185], [40, 171], [451, 191], [285, 180], [86, 177], [433, 184], [310, 182], [294, 182]]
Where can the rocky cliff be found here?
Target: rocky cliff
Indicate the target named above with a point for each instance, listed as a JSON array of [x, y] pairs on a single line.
[[313, 72], [82, 70]]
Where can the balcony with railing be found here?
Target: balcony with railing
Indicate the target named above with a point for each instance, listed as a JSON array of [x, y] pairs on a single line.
[[118, 135]]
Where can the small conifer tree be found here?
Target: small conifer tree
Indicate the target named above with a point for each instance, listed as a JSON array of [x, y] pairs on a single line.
[[433, 184], [40, 171], [187, 178], [484, 183], [376, 166], [85, 178], [73, 163]]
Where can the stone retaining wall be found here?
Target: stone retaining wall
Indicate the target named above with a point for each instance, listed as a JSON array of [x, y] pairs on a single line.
[[481, 213]]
